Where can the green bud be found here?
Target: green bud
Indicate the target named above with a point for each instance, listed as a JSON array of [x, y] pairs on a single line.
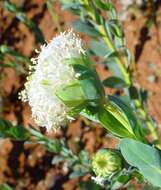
[[106, 162]]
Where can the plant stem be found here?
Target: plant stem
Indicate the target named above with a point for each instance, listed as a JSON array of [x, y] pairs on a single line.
[[127, 76], [128, 79], [118, 61]]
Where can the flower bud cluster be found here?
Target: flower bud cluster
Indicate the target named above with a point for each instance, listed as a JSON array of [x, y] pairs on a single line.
[[105, 163]]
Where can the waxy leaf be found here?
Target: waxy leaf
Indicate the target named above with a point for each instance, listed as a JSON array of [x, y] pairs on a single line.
[[146, 158], [114, 82], [90, 83], [115, 121], [86, 28], [91, 113], [103, 5], [99, 48], [128, 111], [72, 95]]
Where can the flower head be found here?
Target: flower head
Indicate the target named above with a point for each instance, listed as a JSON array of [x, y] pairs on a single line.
[[49, 73], [106, 162]]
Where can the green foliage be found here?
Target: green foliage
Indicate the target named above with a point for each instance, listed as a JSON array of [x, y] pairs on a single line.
[[13, 59], [89, 185], [15, 132], [90, 83], [20, 15], [93, 24], [52, 145], [115, 121], [92, 89], [124, 116], [146, 158], [99, 48], [91, 113], [85, 28], [103, 5], [131, 116], [5, 187], [114, 82], [72, 95]]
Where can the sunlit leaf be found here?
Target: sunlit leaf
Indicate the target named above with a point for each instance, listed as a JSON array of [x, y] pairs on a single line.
[[146, 158]]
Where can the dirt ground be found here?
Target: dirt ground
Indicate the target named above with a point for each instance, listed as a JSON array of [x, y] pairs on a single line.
[[28, 167]]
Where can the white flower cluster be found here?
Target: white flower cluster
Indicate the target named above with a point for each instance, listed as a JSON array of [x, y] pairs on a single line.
[[50, 74]]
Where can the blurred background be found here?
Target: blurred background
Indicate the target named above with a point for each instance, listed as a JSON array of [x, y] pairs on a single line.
[[24, 26]]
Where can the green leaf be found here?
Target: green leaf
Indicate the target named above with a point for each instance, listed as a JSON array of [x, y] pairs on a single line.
[[114, 82], [103, 5], [86, 28], [81, 60], [52, 145], [121, 181], [89, 185], [84, 157], [115, 121], [90, 113], [111, 62], [128, 111], [90, 83], [88, 78], [72, 95], [99, 48], [11, 7], [70, 4], [149, 187], [133, 92], [5, 187], [13, 64], [4, 49], [146, 158], [18, 132], [115, 28]]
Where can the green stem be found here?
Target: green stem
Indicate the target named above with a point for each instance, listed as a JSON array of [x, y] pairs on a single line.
[[129, 80], [127, 76], [109, 43], [118, 61], [150, 126]]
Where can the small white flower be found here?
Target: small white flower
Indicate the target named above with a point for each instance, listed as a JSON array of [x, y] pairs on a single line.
[[50, 73], [98, 180]]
